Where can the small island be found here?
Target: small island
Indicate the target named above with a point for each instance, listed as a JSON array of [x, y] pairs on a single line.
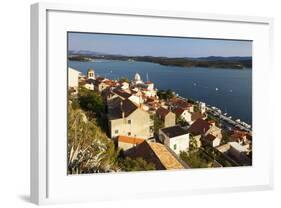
[[209, 62]]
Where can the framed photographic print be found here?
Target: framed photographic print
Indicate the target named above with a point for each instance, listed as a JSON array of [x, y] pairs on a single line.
[[133, 103]]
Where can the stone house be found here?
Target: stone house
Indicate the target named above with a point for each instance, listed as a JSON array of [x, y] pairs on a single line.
[[125, 118], [168, 117], [202, 131], [183, 114]]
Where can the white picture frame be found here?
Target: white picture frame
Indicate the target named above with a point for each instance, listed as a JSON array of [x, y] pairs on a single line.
[[49, 184]]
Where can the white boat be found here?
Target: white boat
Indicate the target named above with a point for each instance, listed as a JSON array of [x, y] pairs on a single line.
[[217, 89]]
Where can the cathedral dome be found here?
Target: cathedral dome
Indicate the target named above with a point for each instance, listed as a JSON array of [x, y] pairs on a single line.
[[137, 77]]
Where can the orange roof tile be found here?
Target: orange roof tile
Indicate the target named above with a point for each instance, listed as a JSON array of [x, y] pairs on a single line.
[[130, 140], [166, 158]]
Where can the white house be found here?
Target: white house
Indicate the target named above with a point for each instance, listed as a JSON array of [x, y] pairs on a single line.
[[73, 78], [183, 114], [125, 85], [175, 137], [150, 85], [136, 99], [89, 84], [202, 107]]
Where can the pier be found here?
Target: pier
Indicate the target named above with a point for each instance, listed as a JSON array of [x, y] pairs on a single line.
[[214, 111]]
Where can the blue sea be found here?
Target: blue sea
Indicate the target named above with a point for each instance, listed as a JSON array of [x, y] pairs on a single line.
[[228, 89]]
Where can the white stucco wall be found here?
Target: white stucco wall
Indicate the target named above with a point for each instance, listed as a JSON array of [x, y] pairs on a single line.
[[89, 86], [186, 116], [216, 142], [177, 144], [181, 143], [73, 77]]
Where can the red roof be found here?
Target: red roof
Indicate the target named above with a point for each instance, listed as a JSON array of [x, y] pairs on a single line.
[[211, 121], [162, 112], [180, 103], [196, 115], [210, 137], [238, 135], [179, 111], [156, 153], [130, 140], [200, 126]]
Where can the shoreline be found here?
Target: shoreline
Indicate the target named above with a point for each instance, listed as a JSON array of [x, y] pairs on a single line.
[[177, 62]]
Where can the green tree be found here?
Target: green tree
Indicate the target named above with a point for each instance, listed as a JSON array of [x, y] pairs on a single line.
[[91, 101], [165, 94], [124, 79], [138, 164], [192, 144], [194, 159], [225, 137], [169, 94], [158, 124], [180, 121]]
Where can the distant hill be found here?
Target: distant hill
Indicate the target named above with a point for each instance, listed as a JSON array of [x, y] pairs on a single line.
[[85, 52], [220, 58], [233, 62]]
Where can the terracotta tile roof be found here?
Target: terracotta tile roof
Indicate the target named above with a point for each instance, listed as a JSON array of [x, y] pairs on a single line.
[[125, 106], [100, 79], [196, 115], [211, 121], [156, 153], [178, 111], [162, 112], [180, 103], [149, 99], [239, 135], [121, 93], [130, 140], [110, 82], [210, 137], [165, 157], [200, 126]]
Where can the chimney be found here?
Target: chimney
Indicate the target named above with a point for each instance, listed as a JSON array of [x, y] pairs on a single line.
[[122, 110]]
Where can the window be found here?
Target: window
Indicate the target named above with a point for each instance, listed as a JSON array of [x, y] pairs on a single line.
[[116, 131], [129, 121], [175, 146], [129, 133]]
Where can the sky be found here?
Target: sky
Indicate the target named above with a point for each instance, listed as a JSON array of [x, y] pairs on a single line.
[[133, 45]]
